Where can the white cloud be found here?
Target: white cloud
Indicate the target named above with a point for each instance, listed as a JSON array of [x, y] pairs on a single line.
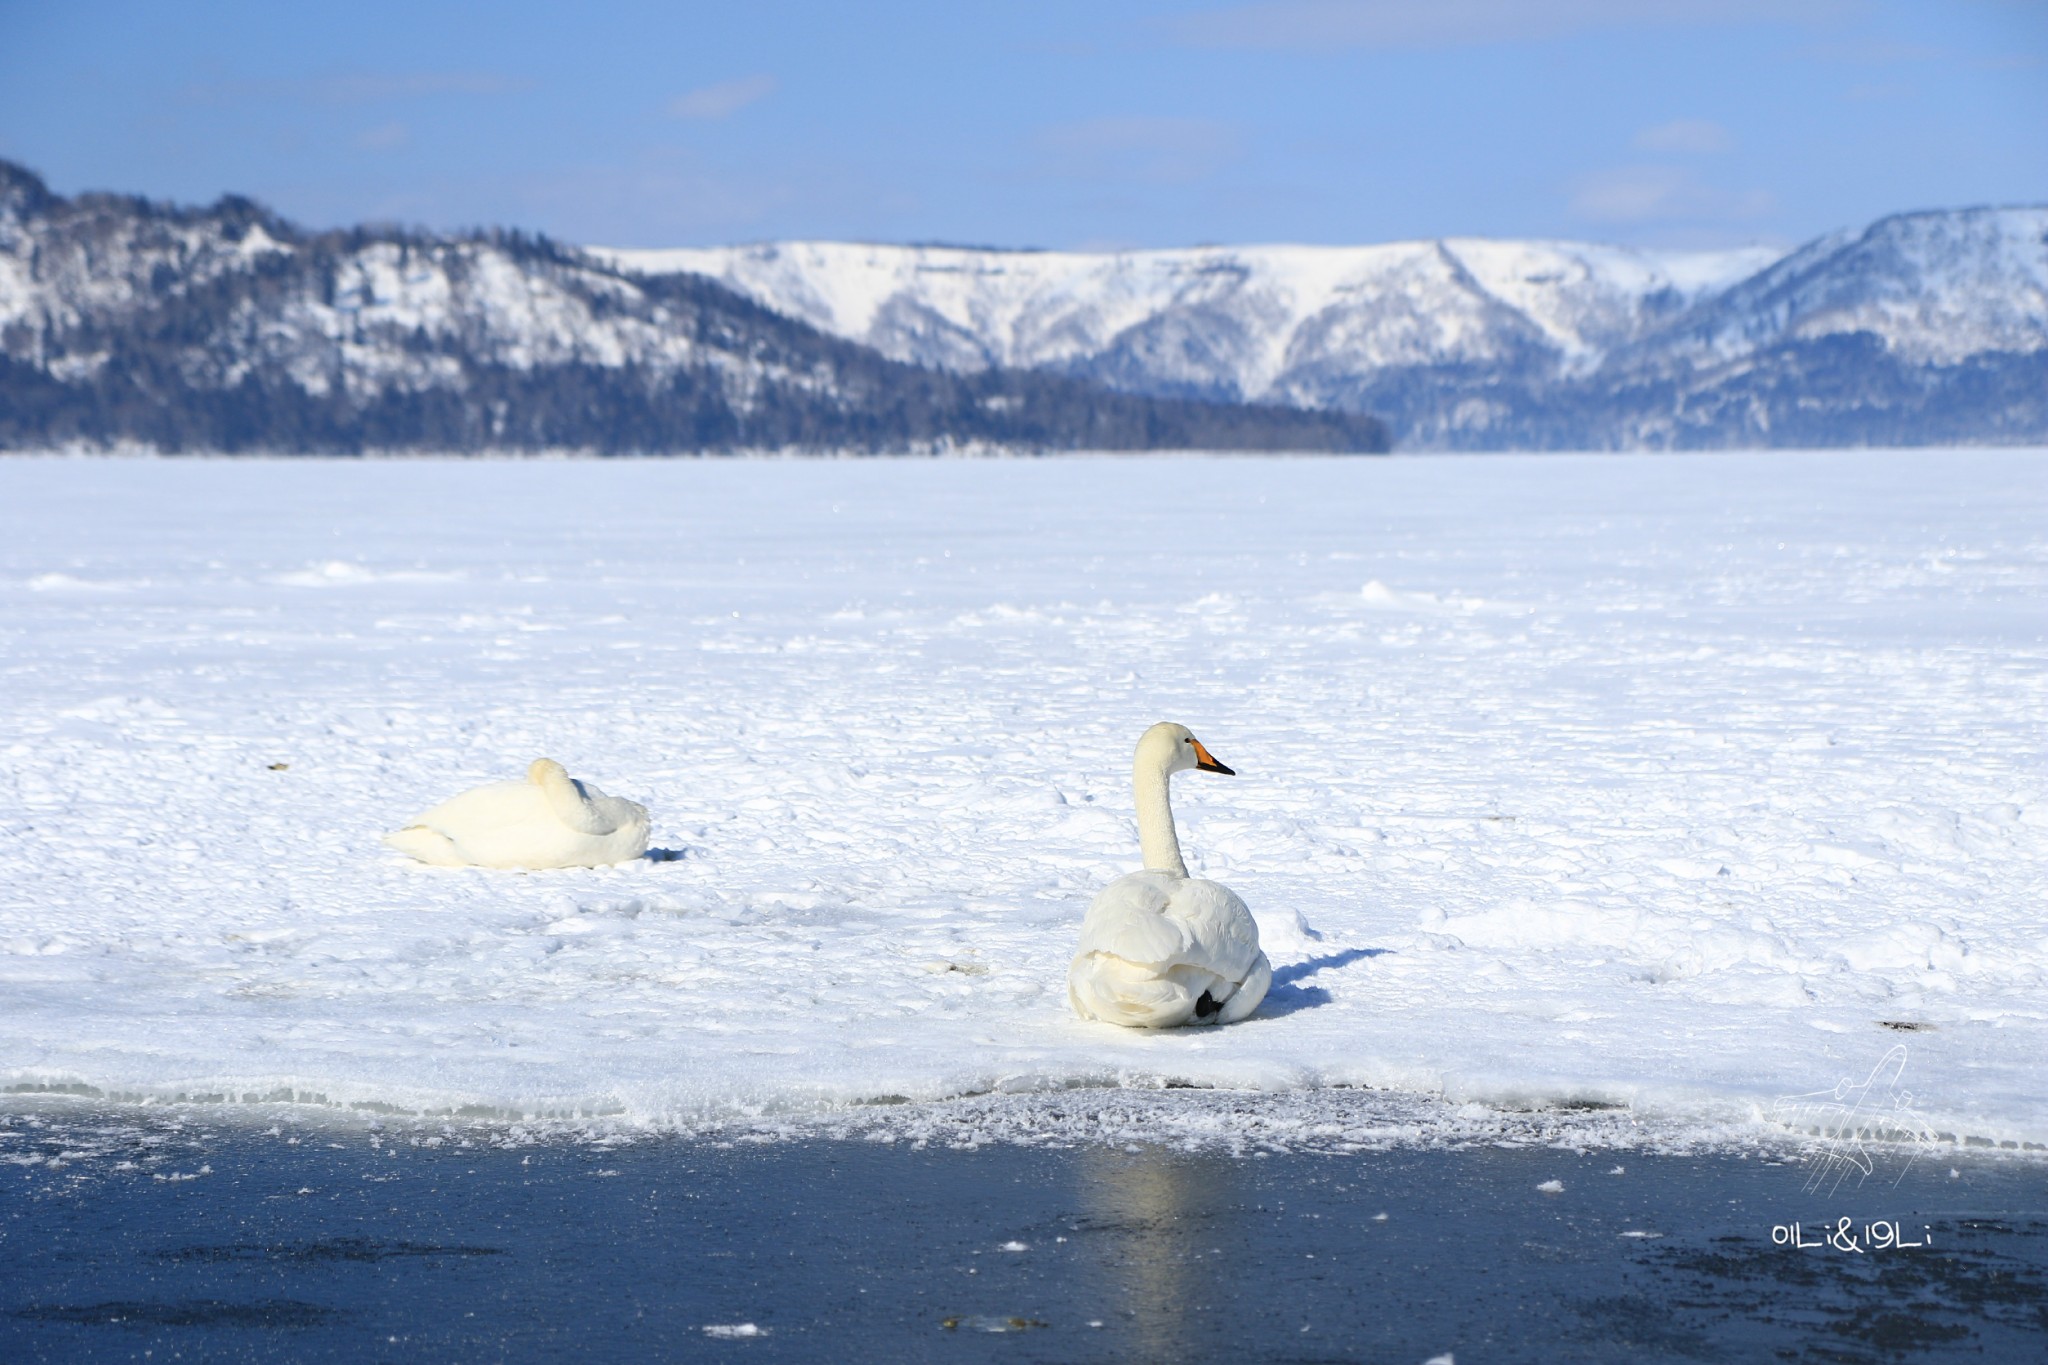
[[1695, 135], [1150, 149], [1317, 25], [1663, 194], [724, 99], [385, 137]]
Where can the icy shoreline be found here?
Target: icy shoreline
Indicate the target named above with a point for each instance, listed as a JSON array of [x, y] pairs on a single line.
[[56, 1133], [1679, 785]]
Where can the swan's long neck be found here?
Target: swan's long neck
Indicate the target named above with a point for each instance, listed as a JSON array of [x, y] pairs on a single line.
[[1155, 820], [568, 801]]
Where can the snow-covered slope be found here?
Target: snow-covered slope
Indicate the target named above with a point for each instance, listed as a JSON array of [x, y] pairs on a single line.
[[1925, 326], [397, 312], [1933, 288], [229, 328], [1248, 322]]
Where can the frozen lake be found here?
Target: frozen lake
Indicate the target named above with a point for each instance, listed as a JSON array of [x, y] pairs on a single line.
[[1663, 788], [166, 1234]]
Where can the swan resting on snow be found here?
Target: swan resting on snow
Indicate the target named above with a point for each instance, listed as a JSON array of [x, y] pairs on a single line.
[[1158, 947], [548, 820]]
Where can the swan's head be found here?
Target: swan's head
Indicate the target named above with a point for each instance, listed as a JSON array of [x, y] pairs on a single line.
[[1174, 749]]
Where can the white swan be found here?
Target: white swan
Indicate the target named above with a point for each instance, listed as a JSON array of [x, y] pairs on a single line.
[[1158, 947], [548, 820]]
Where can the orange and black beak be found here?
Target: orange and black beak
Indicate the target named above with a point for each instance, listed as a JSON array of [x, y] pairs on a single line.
[[1206, 762]]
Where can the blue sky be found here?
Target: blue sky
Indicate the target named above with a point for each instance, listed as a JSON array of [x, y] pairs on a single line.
[[1056, 123]]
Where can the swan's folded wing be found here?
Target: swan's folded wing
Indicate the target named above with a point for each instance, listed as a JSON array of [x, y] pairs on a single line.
[[426, 845], [1118, 992], [1125, 921], [1221, 932], [494, 803]]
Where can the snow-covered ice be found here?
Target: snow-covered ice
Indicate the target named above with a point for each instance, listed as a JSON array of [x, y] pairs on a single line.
[[1677, 784]]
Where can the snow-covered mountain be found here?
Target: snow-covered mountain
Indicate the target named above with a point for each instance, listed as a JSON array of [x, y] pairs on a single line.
[[229, 328], [1932, 288], [1241, 321], [1926, 326]]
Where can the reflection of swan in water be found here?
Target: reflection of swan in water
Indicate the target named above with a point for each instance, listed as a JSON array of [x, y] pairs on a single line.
[[1164, 1214], [548, 820], [1158, 947]]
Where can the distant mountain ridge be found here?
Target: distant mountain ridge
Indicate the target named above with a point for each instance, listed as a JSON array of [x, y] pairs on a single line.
[[1241, 320], [228, 328], [1923, 328]]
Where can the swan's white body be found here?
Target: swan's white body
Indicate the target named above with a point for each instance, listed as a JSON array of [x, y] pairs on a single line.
[[1160, 948], [548, 820]]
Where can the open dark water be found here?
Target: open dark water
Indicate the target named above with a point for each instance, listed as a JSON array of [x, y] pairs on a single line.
[[197, 1242]]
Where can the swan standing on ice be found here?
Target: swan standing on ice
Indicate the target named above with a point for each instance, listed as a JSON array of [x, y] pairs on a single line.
[[1158, 947], [549, 820]]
